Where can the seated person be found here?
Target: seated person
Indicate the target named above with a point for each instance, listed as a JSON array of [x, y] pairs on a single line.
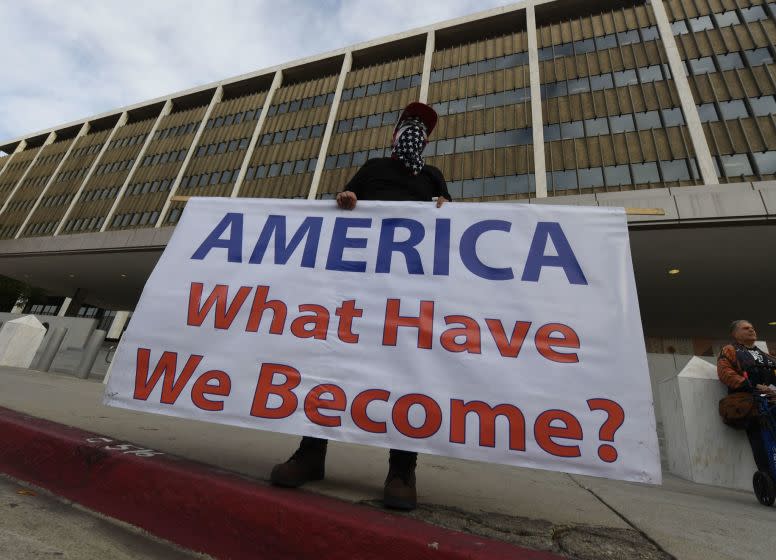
[[744, 357]]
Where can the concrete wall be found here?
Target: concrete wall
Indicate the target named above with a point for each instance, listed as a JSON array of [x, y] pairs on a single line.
[[78, 328], [698, 446]]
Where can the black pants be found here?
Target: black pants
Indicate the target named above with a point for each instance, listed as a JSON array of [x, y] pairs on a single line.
[[396, 456], [754, 433]]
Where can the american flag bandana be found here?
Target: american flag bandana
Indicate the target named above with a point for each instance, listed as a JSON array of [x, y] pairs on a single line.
[[408, 144]]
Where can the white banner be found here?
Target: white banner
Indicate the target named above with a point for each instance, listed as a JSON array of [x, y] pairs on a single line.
[[506, 333]]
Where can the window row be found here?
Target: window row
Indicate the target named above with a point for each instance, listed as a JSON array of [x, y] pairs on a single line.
[[99, 194], [72, 174], [128, 141], [644, 74], [236, 118], [729, 61], [135, 218], [20, 205], [301, 104], [41, 309], [176, 130], [721, 19], [158, 185], [386, 86], [370, 121], [36, 181], [628, 122], [208, 179], [8, 232], [84, 224], [737, 109], [742, 165], [479, 67], [626, 174], [86, 150], [57, 200], [166, 157], [223, 147], [283, 168], [49, 159], [491, 186], [601, 43], [113, 167], [303, 133], [42, 228], [462, 144], [510, 97]]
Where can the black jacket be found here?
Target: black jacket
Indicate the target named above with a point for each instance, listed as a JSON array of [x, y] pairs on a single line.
[[389, 179]]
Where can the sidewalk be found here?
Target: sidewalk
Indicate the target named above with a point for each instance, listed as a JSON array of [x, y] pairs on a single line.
[[581, 517]]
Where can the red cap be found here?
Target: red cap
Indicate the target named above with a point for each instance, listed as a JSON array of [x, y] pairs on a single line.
[[424, 112]]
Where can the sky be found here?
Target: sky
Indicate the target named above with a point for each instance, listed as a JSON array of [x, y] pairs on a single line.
[[66, 60]]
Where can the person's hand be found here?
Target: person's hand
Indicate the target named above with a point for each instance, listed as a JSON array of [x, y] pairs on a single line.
[[765, 390], [346, 200], [441, 200]]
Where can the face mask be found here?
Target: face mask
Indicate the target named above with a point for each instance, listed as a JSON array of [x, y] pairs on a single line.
[[409, 143]]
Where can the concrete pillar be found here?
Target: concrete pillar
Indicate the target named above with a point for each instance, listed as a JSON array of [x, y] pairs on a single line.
[[49, 140], [76, 302], [19, 341], [163, 113], [53, 344], [425, 79], [217, 95], [690, 110], [699, 447], [117, 326], [91, 350], [81, 133], [276, 81], [346, 64], [121, 122], [537, 125], [64, 307]]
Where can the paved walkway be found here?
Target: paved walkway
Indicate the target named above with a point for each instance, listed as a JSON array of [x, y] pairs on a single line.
[[582, 517]]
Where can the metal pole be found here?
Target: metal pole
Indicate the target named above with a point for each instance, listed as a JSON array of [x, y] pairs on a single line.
[[52, 347], [90, 354]]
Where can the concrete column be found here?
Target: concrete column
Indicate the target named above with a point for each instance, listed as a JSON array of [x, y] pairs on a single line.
[[53, 344], [217, 95], [121, 122], [117, 326], [50, 139], [690, 110], [164, 112], [276, 81], [75, 303], [347, 62], [540, 175], [19, 148], [64, 307], [90, 352], [81, 133], [425, 79]]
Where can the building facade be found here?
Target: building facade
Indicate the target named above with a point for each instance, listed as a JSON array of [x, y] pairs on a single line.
[[537, 101]]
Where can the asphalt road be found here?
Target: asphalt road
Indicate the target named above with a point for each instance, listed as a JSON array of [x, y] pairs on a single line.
[[34, 526]]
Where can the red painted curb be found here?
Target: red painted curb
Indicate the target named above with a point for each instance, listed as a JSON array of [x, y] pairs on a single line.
[[217, 512]]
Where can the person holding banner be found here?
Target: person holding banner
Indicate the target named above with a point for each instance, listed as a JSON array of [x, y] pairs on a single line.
[[403, 176], [744, 368]]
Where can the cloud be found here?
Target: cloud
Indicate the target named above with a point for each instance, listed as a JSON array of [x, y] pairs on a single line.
[[69, 60]]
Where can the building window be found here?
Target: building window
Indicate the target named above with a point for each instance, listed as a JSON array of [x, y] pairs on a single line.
[[766, 162], [708, 113], [645, 173], [593, 177], [763, 106], [703, 65], [617, 175], [736, 165], [733, 109], [675, 170], [730, 61], [700, 23]]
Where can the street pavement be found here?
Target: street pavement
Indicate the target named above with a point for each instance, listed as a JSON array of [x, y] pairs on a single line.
[[34, 525], [582, 517]]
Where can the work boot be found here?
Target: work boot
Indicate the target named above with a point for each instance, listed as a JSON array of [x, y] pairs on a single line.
[[306, 464], [399, 490]]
